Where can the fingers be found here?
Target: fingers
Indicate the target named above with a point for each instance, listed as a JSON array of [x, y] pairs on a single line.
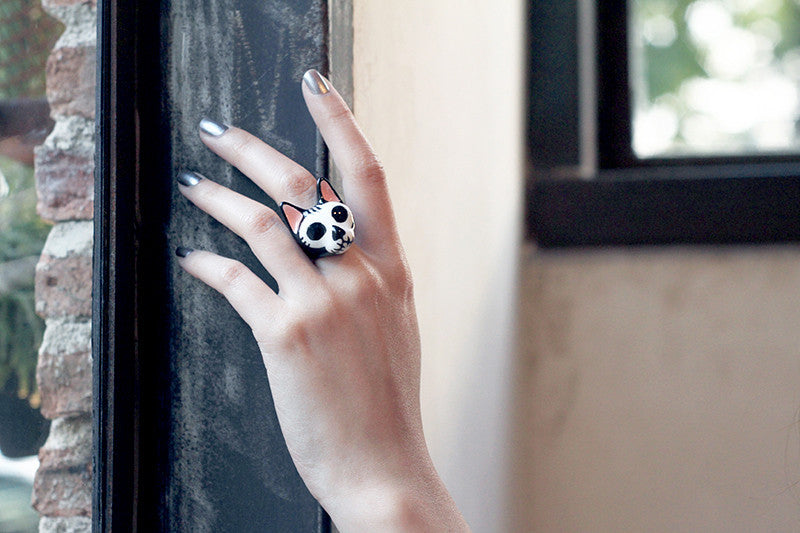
[[248, 295], [280, 177], [364, 181], [260, 226], [363, 178]]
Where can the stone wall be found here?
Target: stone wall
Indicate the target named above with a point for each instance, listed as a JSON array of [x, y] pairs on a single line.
[[64, 174]]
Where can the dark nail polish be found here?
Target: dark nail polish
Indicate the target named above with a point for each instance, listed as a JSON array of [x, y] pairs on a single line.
[[182, 251], [189, 178], [215, 129], [316, 83]]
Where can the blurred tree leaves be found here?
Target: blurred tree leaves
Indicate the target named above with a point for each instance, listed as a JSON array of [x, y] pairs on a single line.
[[22, 235], [27, 35], [669, 64], [715, 76]]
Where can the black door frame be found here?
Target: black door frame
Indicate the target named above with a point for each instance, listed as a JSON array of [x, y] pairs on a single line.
[[131, 381]]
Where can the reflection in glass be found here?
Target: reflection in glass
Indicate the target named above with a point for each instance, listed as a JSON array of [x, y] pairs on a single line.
[[715, 77], [27, 34]]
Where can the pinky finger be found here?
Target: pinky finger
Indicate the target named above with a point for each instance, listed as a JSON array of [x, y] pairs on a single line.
[[255, 302]]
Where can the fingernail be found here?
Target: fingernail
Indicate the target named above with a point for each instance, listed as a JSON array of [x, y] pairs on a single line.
[[215, 129], [182, 251], [188, 178], [316, 83]]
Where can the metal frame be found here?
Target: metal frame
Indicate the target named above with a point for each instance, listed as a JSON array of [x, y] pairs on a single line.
[[114, 276], [631, 201]]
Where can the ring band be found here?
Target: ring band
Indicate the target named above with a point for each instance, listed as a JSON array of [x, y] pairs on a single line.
[[327, 228]]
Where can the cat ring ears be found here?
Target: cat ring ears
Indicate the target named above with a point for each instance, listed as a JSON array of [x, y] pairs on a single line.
[[325, 229]]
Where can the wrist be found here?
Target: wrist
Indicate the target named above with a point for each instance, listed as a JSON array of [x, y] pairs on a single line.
[[402, 503]]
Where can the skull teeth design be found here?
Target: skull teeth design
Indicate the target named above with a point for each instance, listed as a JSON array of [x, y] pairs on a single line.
[[343, 245], [327, 228]]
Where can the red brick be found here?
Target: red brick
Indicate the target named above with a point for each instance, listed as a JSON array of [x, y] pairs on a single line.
[[65, 383], [62, 490], [63, 459], [64, 184], [71, 80], [64, 286], [63, 483], [64, 176]]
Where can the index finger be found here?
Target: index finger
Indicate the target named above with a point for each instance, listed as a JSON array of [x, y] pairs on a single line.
[[277, 175]]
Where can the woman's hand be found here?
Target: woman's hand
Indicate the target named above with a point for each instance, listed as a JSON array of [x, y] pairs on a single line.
[[340, 339]]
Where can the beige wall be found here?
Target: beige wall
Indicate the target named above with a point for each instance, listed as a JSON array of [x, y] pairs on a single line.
[[659, 390], [437, 90], [654, 389]]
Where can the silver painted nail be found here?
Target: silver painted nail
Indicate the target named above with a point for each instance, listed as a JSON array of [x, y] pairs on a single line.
[[215, 129], [316, 83], [189, 178]]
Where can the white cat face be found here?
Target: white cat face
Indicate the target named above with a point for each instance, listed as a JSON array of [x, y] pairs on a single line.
[[328, 228]]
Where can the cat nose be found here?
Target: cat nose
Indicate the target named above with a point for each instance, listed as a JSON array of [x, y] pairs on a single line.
[[338, 232]]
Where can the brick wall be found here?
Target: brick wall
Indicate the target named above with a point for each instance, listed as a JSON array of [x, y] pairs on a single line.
[[64, 176]]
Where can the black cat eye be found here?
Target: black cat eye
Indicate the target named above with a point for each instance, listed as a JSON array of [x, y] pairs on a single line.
[[315, 231], [339, 213]]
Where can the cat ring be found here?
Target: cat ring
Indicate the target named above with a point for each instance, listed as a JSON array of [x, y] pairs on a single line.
[[327, 228]]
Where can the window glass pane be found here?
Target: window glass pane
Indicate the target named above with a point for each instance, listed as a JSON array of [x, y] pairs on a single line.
[[715, 77], [27, 34]]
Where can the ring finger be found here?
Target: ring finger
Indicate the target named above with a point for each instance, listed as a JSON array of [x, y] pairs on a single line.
[[260, 226]]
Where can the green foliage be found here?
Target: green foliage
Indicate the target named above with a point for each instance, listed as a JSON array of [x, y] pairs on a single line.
[[20, 335], [22, 234], [669, 66], [789, 19], [27, 35], [715, 76]]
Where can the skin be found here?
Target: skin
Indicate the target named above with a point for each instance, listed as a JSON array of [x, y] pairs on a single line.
[[346, 392]]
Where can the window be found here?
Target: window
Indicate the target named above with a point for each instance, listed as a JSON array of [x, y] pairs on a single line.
[[714, 77], [592, 184]]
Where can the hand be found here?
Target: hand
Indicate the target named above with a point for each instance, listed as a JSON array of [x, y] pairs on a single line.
[[340, 340]]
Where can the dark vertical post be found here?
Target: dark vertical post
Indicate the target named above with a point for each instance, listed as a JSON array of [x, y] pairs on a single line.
[[201, 447], [614, 93], [553, 128], [113, 280]]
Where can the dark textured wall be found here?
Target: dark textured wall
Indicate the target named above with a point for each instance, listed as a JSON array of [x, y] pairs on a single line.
[[239, 62]]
